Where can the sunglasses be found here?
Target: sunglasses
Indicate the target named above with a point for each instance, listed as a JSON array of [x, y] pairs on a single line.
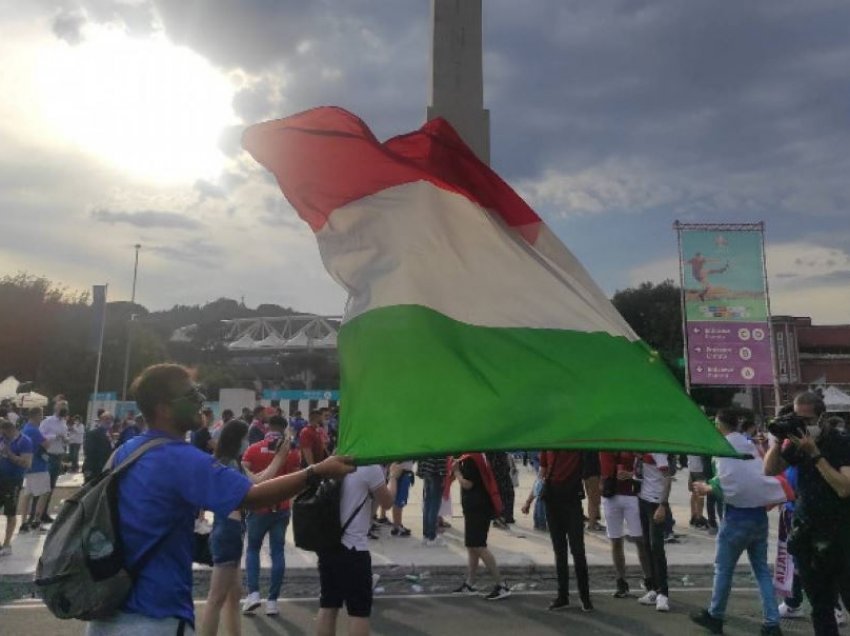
[[193, 396]]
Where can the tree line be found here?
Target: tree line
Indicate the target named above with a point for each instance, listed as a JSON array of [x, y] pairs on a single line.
[[45, 339]]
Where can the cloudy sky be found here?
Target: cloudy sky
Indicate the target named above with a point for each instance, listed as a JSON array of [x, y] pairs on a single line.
[[120, 122]]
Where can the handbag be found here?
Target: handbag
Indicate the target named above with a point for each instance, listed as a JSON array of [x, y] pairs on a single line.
[[201, 552]]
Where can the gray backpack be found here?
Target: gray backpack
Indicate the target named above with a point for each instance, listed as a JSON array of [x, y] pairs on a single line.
[[81, 572]]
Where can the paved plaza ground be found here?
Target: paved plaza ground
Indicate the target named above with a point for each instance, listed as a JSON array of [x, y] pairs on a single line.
[[424, 605]]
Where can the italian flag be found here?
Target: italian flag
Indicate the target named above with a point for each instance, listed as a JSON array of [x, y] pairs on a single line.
[[469, 326]]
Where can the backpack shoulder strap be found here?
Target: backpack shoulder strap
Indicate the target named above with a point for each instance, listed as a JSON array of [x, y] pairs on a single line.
[[354, 514], [132, 457]]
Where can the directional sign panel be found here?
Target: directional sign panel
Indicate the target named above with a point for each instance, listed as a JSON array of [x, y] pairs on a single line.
[[729, 353]]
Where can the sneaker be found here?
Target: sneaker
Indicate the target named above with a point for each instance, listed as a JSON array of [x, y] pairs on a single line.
[[383, 521], [498, 593], [662, 603], [271, 608], [704, 619], [466, 588], [595, 527], [648, 599], [37, 527], [25, 527], [400, 531], [586, 605], [251, 602], [787, 611], [840, 617], [501, 525], [771, 630], [5, 551], [559, 604], [622, 589], [46, 518], [434, 543]]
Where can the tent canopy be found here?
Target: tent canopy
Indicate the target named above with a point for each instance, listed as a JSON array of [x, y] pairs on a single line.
[[9, 387], [30, 400], [836, 400]]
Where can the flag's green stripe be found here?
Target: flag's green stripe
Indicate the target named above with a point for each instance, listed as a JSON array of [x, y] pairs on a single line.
[[505, 388]]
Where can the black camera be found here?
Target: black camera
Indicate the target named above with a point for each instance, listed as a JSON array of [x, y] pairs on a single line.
[[786, 425]]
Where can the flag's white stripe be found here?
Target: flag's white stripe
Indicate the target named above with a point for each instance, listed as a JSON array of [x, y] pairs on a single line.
[[419, 244]]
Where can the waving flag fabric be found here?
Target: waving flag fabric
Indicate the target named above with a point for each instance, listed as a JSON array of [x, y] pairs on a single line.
[[469, 325]]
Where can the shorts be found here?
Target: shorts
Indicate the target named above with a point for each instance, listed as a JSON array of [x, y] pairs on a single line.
[[345, 576], [476, 527], [621, 508], [127, 624], [402, 490], [226, 541], [692, 477], [590, 466], [9, 492], [37, 484]]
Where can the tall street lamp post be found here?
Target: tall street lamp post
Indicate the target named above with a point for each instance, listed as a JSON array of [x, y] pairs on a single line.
[[137, 247]]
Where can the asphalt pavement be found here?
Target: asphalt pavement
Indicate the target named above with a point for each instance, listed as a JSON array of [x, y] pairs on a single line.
[[427, 615]]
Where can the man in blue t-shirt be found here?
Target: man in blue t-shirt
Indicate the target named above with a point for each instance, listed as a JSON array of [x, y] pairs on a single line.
[[37, 479], [158, 499], [15, 458]]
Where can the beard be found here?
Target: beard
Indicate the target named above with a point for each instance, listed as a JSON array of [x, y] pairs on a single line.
[[187, 419]]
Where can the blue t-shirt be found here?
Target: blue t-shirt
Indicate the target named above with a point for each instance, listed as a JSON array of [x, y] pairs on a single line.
[[161, 494], [19, 446], [39, 455]]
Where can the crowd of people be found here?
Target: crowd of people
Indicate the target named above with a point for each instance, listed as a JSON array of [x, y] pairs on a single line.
[[245, 470]]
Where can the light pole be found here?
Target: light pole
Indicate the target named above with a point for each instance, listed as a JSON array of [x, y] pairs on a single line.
[[137, 246]]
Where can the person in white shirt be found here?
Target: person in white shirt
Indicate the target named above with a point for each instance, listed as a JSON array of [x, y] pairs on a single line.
[[55, 431], [654, 494], [76, 432], [345, 573]]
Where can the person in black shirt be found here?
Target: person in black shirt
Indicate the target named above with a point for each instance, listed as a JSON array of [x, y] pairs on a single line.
[[819, 540], [478, 484], [97, 447]]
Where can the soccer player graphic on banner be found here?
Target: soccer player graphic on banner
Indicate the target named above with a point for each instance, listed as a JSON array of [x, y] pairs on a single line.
[[698, 263]]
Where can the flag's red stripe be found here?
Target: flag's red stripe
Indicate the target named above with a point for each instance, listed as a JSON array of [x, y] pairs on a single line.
[[326, 157]]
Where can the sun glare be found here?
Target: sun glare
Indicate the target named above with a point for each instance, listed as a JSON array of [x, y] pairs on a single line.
[[145, 106]]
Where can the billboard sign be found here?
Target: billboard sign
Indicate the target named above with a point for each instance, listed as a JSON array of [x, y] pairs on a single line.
[[727, 323]]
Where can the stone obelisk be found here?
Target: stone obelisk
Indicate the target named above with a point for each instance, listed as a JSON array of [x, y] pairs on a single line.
[[457, 82]]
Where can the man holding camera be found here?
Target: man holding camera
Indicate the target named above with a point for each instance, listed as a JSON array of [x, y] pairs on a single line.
[[819, 540]]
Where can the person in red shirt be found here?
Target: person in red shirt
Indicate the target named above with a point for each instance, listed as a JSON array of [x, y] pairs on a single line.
[[561, 472], [313, 440], [268, 521], [620, 504]]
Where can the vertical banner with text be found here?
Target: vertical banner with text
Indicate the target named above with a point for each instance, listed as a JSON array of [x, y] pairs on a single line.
[[727, 322]]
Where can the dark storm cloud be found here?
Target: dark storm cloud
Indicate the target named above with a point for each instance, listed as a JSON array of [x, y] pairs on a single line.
[[208, 190], [146, 219], [199, 253], [67, 25]]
